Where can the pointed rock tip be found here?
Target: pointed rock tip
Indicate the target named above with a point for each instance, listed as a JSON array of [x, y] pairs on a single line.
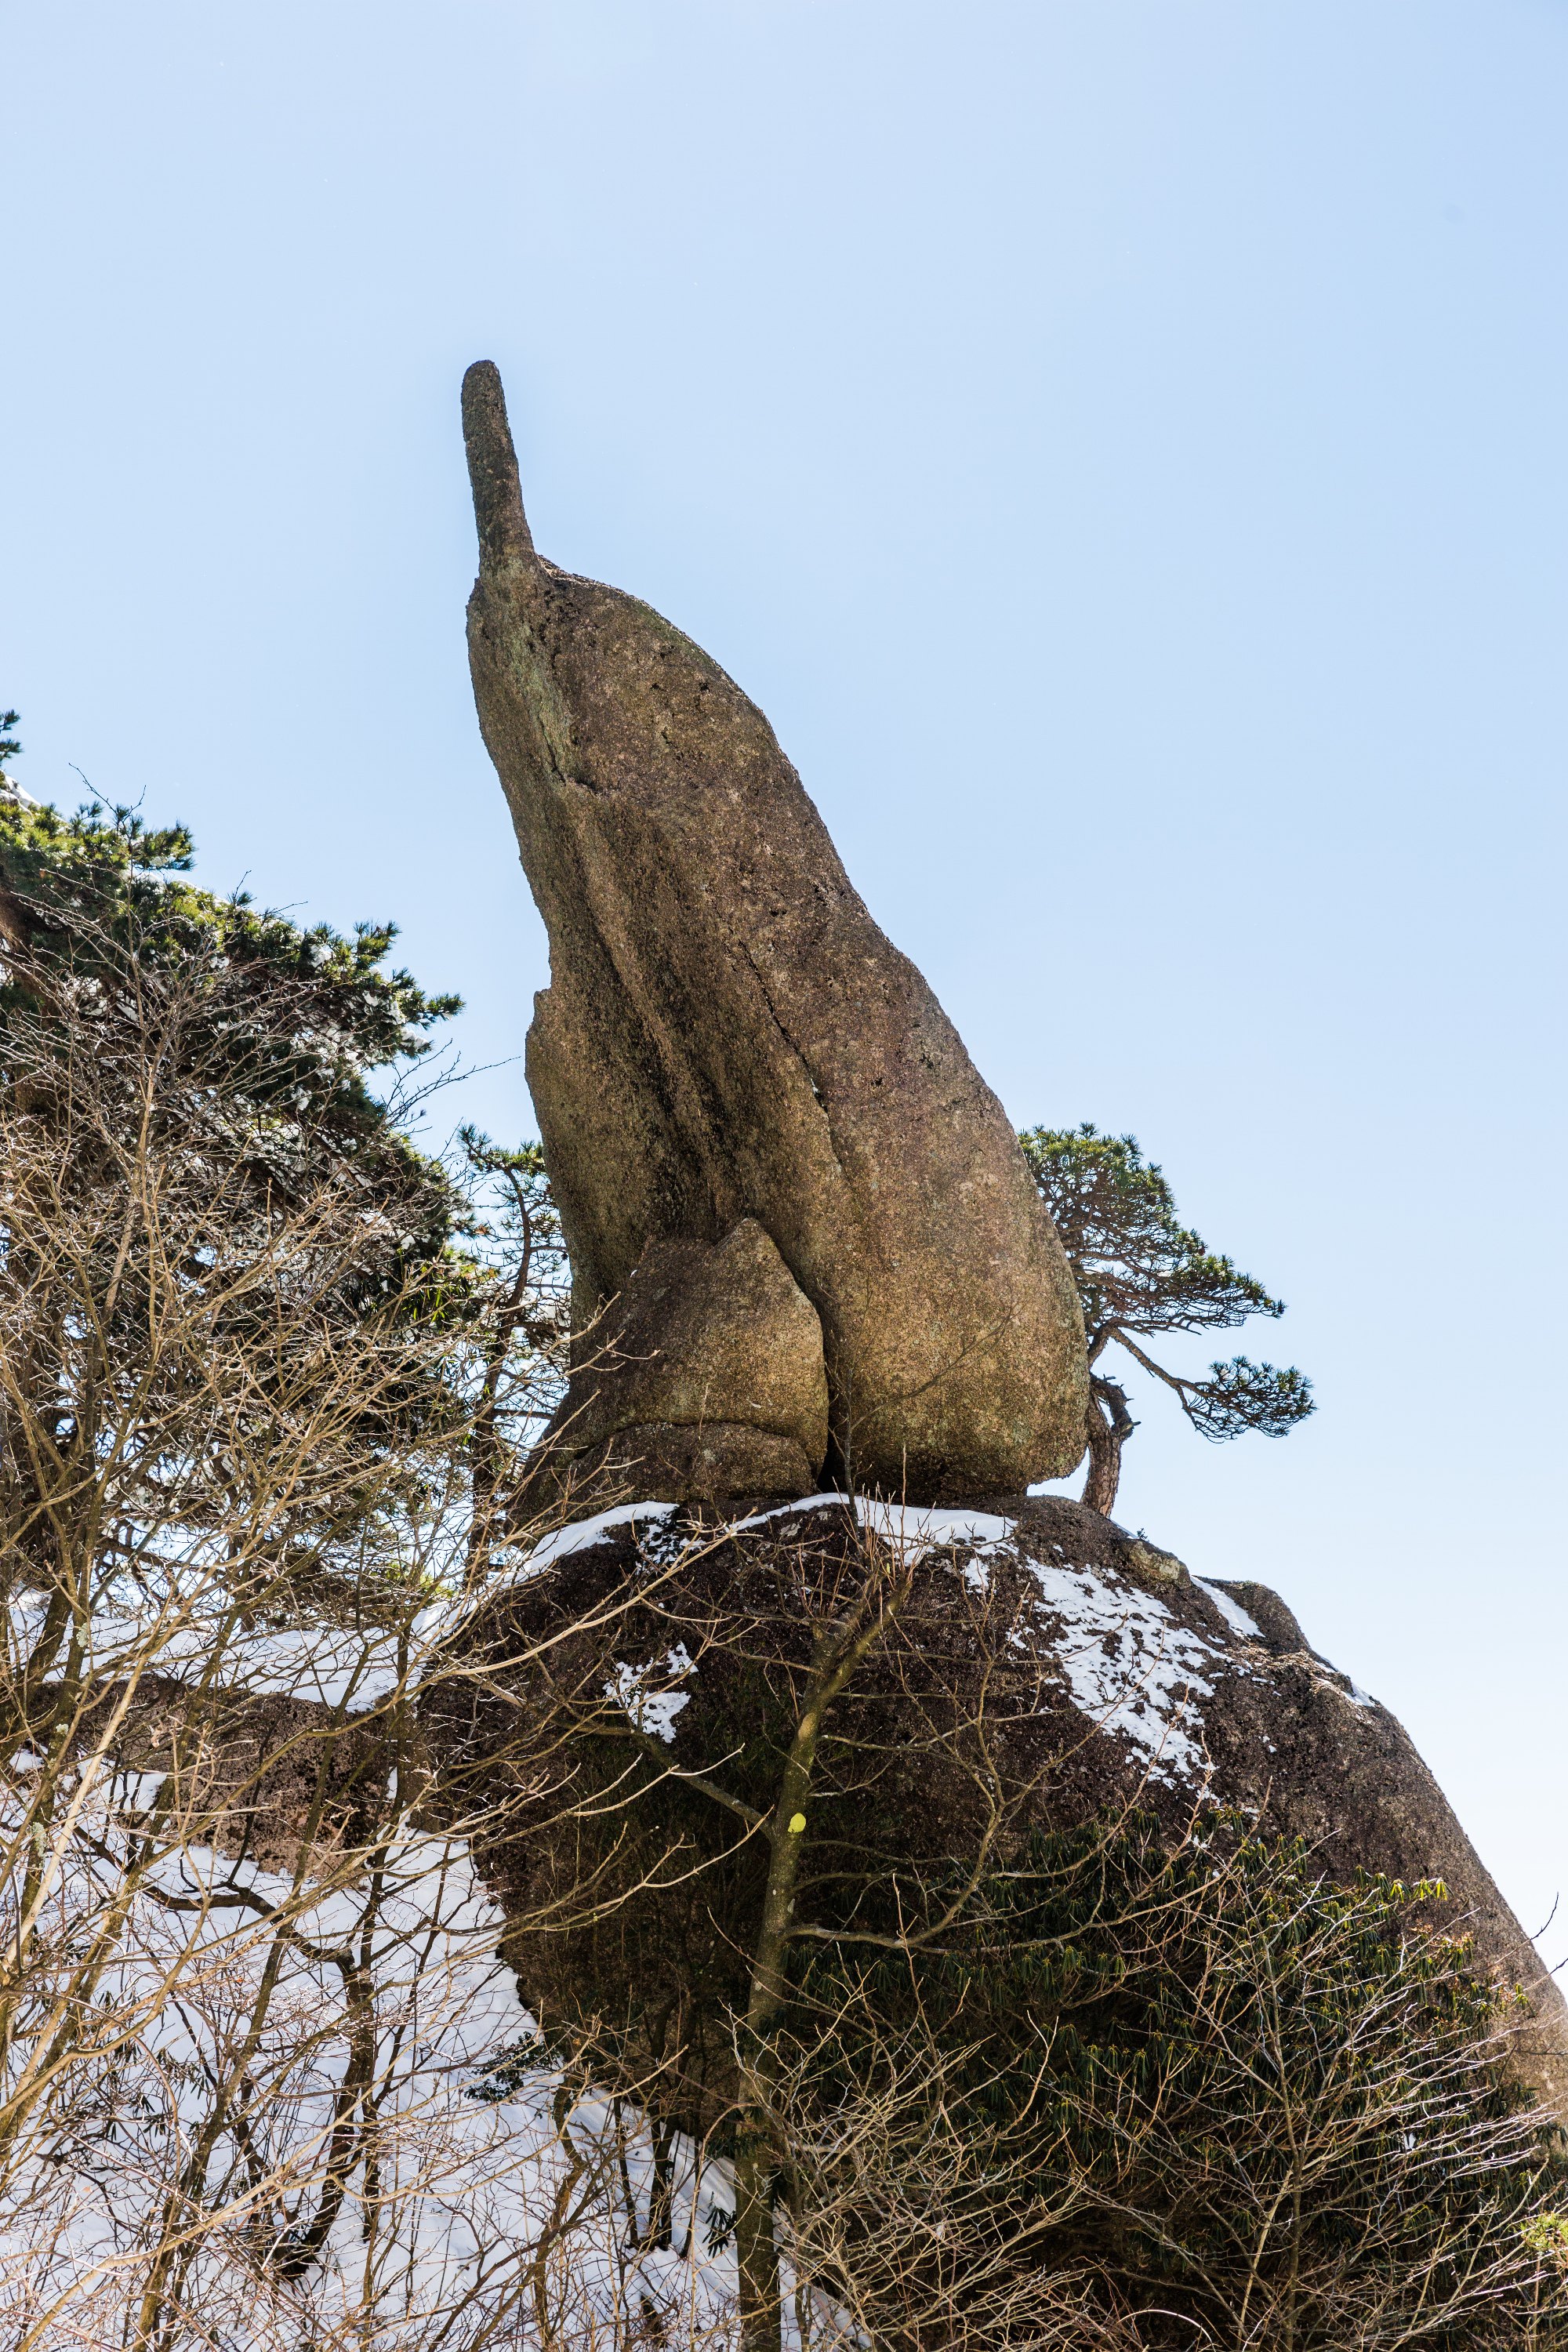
[[493, 467]]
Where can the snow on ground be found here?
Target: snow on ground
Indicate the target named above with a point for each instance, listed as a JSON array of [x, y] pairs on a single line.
[[193, 1633], [257, 2037], [198, 1635]]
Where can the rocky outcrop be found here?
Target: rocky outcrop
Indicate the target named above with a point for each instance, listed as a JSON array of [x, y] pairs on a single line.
[[806, 1248], [728, 1035], [704, 1378], [1044, 1669]]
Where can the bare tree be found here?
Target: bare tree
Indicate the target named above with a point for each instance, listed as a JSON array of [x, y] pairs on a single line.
[[265, 1385], [1156, 2097]]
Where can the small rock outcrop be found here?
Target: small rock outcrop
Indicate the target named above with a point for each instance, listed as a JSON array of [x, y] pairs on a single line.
[[704, 1378], [728, 1035]]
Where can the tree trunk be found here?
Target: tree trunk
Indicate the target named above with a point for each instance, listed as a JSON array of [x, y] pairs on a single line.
[[1109, 1426], [838, 1654], [756, 2251]]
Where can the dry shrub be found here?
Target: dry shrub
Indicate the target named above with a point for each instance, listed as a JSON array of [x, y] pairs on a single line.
[[1166, 2099]]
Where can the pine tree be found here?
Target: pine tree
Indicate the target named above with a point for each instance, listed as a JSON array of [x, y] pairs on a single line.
[[214, 1237], [1141, 1274]]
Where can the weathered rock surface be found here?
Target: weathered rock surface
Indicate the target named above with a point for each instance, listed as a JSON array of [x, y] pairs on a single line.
[[704, 1378], [728, 1035], [1112, 1677]]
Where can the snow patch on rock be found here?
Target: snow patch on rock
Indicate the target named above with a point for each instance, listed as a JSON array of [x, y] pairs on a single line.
[[1130, 1665], [584, 1532], [913, 1528], [1235, 1615], [1128, 1662], [651, 1710]]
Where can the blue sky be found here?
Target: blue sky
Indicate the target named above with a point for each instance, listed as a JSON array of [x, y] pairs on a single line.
[[1120, 444]]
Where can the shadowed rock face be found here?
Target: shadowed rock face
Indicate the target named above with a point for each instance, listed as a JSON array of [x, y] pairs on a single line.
[[727, 1035]]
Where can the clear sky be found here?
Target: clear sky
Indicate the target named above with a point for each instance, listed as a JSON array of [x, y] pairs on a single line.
[[1121, 444]]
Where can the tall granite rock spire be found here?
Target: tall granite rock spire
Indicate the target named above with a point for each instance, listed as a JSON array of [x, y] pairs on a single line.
[[727, 1036]]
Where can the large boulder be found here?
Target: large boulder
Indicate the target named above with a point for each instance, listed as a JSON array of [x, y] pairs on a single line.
[[1044, 1670], [727, 1035]]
